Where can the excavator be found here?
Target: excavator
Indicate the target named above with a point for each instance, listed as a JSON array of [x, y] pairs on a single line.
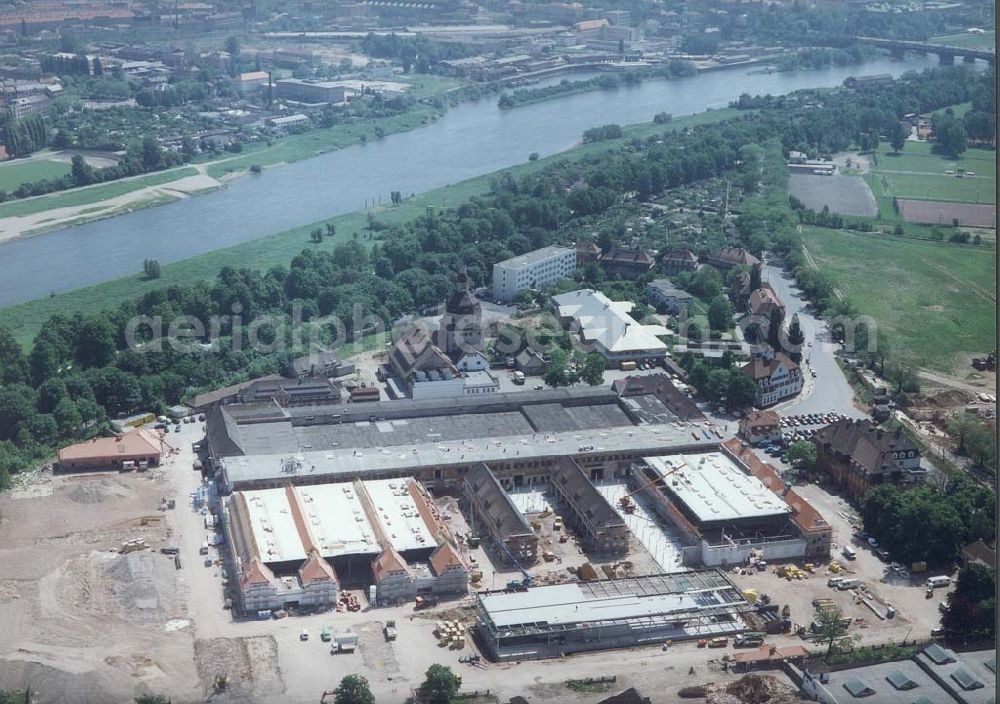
[[626, 504]]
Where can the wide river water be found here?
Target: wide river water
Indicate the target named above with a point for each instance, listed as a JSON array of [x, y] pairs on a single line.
[[471, 139]]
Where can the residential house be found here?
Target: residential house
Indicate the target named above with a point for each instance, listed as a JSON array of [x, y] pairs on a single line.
[[981, 553], [764, 302], [675, 261], [760, 426], [858, 455], [666, 296], [586, 252], [730, 257], [530, 362], [777, 377], [626, 263]]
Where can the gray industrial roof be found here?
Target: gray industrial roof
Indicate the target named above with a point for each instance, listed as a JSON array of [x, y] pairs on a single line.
[[608, 600], [341, 462]]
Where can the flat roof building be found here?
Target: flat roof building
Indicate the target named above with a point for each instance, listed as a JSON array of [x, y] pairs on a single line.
[[720, 509], [557, 620], [533, 270]]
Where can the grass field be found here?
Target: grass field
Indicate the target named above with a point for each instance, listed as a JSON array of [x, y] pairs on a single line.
[[917, 172], [967, 40], [25, 319], [936, 300], [93, 194], [14, 173]]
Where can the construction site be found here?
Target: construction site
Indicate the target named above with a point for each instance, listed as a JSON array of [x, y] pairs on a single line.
[[122, 583]]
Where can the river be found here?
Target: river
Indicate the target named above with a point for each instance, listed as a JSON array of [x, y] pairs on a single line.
[[469, 140]]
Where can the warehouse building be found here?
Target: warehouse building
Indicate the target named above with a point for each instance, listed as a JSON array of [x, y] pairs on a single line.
[[556, 620], [721, 511], [521, 436], [586, 510], [298, 545]]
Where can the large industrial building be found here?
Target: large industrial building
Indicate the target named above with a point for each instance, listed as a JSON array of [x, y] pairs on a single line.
[[557, 620], [521, 436], [725, 513], [297, 545]]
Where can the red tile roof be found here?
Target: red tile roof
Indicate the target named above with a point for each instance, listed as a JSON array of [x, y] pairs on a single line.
[[137, 443], [316, 569], [446, 558]]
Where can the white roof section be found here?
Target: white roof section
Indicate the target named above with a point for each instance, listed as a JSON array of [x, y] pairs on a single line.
[[397, 512], [567, 604], [337, 520], [536, 256], [273, 526], [714, 488], [608, 323]]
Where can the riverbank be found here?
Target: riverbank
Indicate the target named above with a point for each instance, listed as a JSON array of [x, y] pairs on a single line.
[[40, 214], [25, 319]]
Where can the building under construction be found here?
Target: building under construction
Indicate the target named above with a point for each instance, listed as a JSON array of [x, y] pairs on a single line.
[[552, 621]]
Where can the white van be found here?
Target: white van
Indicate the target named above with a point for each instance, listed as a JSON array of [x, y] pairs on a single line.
[[849, 552], [940, 581]]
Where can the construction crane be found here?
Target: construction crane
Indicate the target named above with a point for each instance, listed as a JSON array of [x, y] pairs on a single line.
[[527, 578], [626, 504]]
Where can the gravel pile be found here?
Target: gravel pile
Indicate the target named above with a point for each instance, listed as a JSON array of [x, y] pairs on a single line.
[[144, 586]]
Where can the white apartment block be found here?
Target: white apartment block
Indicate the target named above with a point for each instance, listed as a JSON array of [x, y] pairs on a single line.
[[536, 269]]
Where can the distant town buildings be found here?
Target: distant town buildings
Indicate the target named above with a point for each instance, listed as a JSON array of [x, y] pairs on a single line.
[[676, 261], [626, 263], [729, 257]]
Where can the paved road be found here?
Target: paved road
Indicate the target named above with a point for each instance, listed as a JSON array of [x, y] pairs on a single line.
[[830, 390]]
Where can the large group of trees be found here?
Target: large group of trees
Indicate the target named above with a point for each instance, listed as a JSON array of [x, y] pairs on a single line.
[[928, 523], [972, 607]]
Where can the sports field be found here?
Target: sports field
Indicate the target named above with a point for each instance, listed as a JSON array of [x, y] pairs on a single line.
[[936, 300], [918, 173], [14, 173]]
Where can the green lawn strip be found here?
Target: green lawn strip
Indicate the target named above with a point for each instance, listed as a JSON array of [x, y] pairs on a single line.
[[13, 174], [93, 194], [24, 319], [944, 188], [967, 40], [928, 296]]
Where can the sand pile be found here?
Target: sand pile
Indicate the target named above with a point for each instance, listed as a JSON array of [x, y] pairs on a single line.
[[249, 665], [64, 681], [96, 492], [753, 689], [144, 586]]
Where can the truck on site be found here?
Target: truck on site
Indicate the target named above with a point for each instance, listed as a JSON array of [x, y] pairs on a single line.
[[518, 377], [939, 581], [749, 639], [324, 635], [344, 642], [390, 630]]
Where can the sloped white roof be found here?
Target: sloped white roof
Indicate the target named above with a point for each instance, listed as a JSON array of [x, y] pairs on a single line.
[[608, 324]]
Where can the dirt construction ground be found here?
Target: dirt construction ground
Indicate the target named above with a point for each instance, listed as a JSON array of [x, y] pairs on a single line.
[[82, 623]]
